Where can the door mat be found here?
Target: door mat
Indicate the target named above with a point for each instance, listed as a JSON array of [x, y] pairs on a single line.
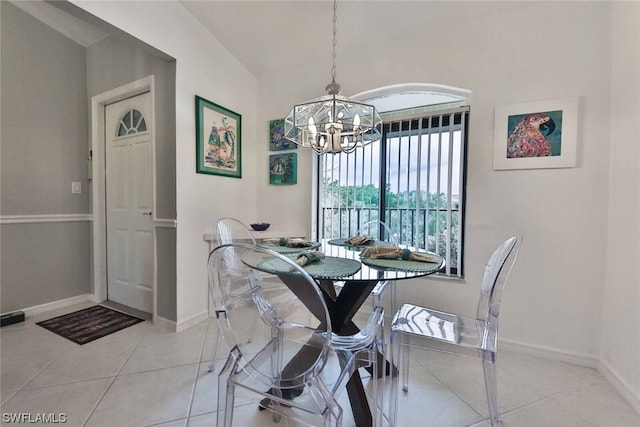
[[89, 324]]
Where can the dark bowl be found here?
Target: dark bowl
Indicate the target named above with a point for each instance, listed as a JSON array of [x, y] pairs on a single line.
[[261, 226]]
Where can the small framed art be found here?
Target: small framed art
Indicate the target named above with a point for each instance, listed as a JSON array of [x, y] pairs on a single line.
[[536, 135], [283, 169], [277, 141], [218, 140]]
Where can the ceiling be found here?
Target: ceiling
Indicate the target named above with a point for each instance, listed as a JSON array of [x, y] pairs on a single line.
[[268, 36], [81, 32]]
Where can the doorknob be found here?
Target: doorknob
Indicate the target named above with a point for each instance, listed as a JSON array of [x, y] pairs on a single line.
[[147, 213]]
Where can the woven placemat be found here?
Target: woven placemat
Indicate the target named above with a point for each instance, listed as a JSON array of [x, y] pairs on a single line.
[[402, 265], [333, 268], [343, 242], [288, 250], [327, 268]]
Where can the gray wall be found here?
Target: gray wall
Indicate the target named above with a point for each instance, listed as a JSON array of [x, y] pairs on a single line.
[[44, 148], [111, 63], [47, 83], [43, 262]]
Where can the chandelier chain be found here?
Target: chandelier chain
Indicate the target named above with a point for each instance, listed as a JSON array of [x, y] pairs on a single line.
[[335, 42]]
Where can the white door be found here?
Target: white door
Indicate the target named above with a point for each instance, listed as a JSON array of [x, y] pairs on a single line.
[[129, 190]]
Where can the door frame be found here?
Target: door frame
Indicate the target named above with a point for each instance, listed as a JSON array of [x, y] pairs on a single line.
[[97, 165]]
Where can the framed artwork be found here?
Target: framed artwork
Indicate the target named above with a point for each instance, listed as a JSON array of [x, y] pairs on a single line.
[[536, 135], [283, 169], [218, 140], [277, 141]]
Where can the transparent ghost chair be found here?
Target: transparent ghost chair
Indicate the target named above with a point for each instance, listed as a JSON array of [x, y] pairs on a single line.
[[230, 230], [415, 326], [293, 364], [379, 231]]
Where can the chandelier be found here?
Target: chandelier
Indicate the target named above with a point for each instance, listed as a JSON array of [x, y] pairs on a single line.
[[333, 123]]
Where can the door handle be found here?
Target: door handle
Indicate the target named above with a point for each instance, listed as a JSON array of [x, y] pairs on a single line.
[[147, 213]]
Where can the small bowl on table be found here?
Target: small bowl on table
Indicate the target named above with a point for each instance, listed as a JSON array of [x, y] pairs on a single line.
[[261, 226]]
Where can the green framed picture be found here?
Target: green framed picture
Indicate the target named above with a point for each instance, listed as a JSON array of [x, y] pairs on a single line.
[[277, 141], [283, 169], [218, 140]]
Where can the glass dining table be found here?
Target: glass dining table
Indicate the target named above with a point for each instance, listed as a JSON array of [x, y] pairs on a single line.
[[342, 262]]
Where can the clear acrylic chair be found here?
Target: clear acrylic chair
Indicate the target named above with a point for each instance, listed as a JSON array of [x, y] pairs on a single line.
[[379, 231], [415, 326], [230, 230], [292, 362]]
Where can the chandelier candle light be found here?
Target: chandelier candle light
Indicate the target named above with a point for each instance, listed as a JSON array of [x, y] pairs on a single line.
[[333, 123]]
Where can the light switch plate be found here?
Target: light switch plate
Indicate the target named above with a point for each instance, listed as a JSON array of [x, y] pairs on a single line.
[[76, 187]]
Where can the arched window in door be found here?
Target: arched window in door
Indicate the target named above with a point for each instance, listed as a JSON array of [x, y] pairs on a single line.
[[131, 122]]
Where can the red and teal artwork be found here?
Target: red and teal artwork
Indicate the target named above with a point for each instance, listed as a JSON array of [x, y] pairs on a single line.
[[534, 134]]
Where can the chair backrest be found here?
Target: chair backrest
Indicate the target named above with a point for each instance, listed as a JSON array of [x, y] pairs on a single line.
[[378, 230], [251, 316], [231, 230], [495, 275]]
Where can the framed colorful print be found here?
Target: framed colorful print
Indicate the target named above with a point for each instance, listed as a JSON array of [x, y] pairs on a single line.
[[218, 140], [283, 169], [277, 141], [536, 135]]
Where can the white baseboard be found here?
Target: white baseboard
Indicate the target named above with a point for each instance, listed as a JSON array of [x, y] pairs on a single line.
[[165, 323], [622, 386], [195, 319], [54, 305], [93, 298], [550, 353]]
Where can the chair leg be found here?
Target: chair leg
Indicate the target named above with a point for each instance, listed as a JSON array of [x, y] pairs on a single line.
[[226, 388], [216, 351], [395, 368], [392, 291], [404, 355], [489, 367], [378, 378]]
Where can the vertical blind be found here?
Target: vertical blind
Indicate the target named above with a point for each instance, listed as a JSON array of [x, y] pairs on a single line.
[[413, 180]]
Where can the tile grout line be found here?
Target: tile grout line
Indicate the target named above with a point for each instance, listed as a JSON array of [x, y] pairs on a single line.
[[99, 400], [197, 378], [38, 372], [428, 372], [93, 408], [551, 396]]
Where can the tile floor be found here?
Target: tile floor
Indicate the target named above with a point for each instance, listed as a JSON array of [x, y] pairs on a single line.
[[147, 376]]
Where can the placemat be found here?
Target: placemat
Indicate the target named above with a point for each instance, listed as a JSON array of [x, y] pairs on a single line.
[[402, 265], [343, 242], [328, 268], [288, 250]]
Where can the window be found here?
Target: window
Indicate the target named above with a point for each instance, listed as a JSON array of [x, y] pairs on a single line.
[[412, 179], [132, 121]]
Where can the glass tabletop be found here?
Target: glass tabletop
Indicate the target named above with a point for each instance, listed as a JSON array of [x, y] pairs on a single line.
[[383, 272], [344, 263]]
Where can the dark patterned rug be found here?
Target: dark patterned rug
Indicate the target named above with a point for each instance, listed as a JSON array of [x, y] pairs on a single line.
[[89, 324]]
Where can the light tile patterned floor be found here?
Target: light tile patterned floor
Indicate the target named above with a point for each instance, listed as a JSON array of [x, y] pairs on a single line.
[[148, 376]]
